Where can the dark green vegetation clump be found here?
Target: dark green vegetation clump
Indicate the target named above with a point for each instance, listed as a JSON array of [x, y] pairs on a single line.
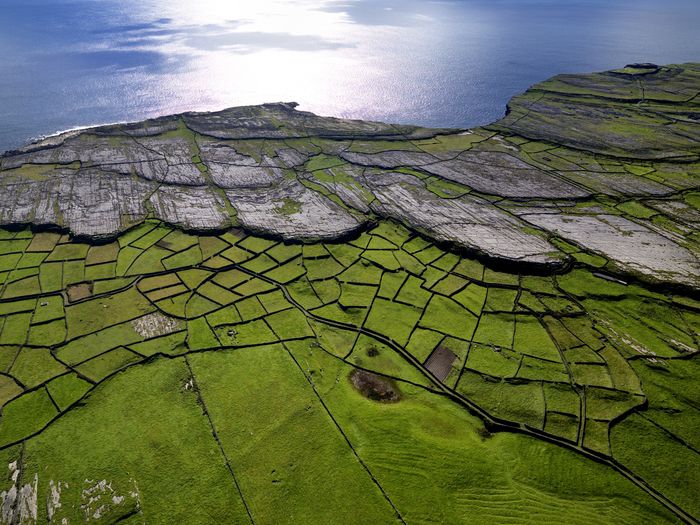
[[232, 378], [374, 386]]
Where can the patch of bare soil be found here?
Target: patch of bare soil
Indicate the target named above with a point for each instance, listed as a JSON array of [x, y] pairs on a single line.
[[440, 362], [79, 291], [374, 387]]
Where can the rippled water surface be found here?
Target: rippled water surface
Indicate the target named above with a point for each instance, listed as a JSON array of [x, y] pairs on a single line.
[[67, 63]]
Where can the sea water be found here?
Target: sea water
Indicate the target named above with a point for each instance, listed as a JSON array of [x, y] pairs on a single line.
[[70, 63]]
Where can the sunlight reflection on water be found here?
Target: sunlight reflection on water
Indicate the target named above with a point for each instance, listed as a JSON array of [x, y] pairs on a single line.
[[441, 63]]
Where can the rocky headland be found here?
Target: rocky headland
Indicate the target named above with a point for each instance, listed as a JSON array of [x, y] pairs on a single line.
[[606, 164]]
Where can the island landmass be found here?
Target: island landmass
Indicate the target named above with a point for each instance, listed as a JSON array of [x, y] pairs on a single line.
[[261, 315]]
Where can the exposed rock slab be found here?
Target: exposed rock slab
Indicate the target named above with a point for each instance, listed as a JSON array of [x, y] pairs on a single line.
[[88, 202], [197, 209], [292, 212], [469, 222], [489, 172], [636, 248]]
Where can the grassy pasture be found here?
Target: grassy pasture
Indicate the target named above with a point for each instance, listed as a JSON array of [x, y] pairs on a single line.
[[216, 370]]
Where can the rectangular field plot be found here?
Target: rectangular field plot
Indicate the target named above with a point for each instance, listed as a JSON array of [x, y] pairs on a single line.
[[440, 362], [126, 435], [392, 319], [522, 402], [286, 451]]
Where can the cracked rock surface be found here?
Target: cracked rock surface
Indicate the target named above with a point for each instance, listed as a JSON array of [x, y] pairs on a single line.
[[626, 242], [606, 163]]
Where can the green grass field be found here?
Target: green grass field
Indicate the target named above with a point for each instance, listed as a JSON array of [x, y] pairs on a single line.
[[174, 378]]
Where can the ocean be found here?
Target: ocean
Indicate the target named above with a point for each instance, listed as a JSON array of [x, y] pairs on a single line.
[[448, 63]]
